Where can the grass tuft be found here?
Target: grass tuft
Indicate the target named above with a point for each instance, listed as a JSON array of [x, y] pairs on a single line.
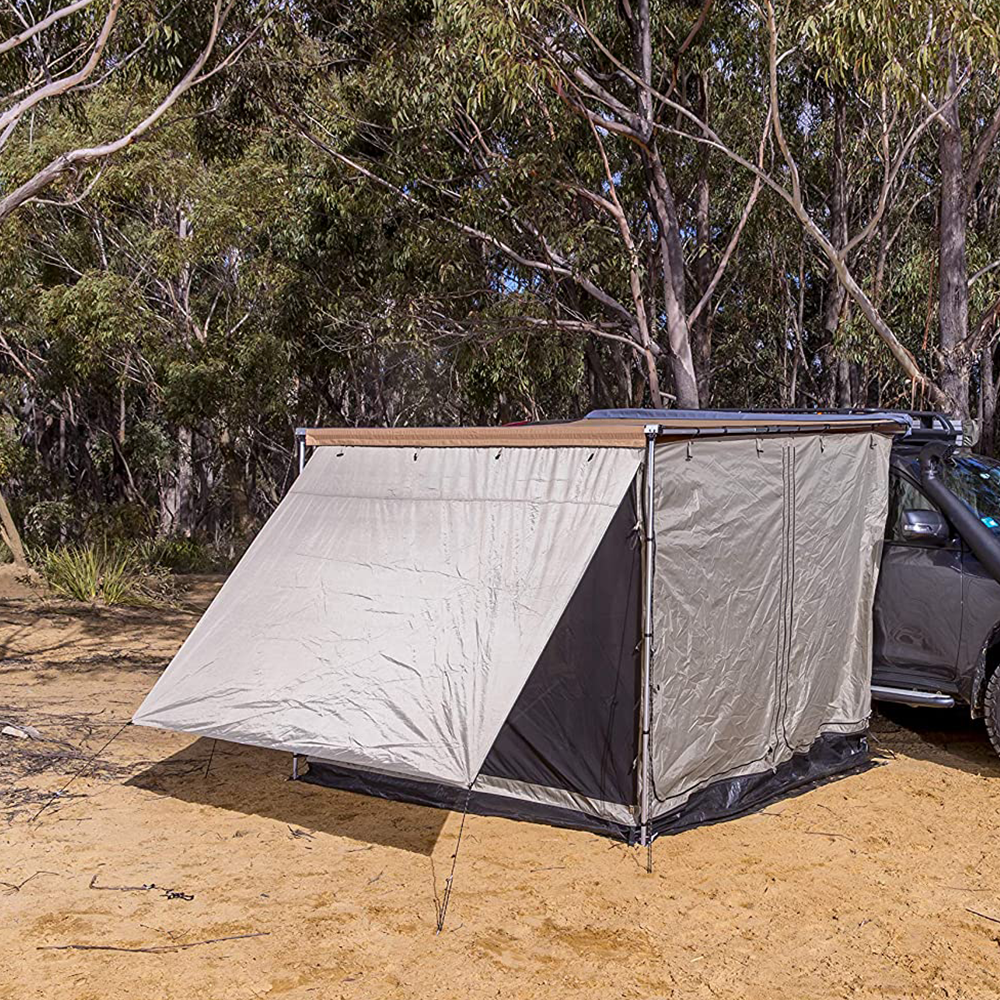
[[101, 574]]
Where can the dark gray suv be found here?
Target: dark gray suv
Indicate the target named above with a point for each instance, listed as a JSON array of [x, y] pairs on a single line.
[[937, 607]]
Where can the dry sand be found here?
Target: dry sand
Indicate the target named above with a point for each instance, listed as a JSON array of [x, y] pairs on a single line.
[[860, 888]]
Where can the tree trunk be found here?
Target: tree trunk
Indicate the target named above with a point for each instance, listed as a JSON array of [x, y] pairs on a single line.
[[678, 333], [664, 210], [953, 302], [11, 536], [701, 329], [843, 373], [836, 380], [175, 499], [238, 494], [987, 402]]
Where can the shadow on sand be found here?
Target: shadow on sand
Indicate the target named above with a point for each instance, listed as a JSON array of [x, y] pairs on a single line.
[[256, 782], [942, 736]]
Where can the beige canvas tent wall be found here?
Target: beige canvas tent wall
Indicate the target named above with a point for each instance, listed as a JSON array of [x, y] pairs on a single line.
[[622, 625]]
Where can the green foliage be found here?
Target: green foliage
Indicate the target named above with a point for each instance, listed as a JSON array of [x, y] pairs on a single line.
[[178, 554], [226, 279], [103, 573], [47, 521], [901, 46]]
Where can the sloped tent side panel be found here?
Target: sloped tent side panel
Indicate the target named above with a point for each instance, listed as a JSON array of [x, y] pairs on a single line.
[[766, 560], [389, 613], [571, 739], [566, 753]]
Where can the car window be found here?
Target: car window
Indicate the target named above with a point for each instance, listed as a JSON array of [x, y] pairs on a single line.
[[976, 480], [903, 496]]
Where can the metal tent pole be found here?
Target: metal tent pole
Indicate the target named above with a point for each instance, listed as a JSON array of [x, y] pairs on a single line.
[[300, 441], [648, 551], [300, 444]]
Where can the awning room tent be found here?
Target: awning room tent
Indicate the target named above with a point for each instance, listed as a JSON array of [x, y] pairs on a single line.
[[614, 624]]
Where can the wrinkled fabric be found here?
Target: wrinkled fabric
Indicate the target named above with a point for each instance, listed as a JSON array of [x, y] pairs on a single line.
[[390, 611], [767, 555]]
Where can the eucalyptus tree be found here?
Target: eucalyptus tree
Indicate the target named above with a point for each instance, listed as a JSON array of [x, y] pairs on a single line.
[[937, 61], [53, 61], [140, 329], [512, 127], [86, 44]]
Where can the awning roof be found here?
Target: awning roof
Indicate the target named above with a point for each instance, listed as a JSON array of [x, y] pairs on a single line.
[[609, 433]]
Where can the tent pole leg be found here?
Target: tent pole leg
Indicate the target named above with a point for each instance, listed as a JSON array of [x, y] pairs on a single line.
[[295, 767], [649, 550]]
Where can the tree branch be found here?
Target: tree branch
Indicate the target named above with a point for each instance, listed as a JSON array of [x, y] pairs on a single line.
[[983, 148], [556, 266], [15, 40], [80, 157], [65, 83], [737, 232], [793, 199]]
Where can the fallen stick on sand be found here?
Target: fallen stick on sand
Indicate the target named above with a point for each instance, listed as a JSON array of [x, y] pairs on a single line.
[[151, 949], [10, 887], [985, 916], [169, 893]]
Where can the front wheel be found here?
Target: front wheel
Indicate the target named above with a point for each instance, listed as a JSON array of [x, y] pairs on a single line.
[[991, 710]]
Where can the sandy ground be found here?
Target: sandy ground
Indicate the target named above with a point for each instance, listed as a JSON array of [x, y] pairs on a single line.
[[863, 887]]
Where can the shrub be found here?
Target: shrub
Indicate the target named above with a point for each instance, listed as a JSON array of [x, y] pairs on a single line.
[[125, 521], [101, 573], [48, 521], [179, 555]]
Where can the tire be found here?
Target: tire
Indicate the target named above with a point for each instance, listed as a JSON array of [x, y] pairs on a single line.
[[991, 710]]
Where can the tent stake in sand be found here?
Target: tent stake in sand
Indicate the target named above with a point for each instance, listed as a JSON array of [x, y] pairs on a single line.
[[443, 906]]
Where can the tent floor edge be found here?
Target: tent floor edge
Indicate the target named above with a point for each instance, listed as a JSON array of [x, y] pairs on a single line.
[[831, 756], [441, 796]]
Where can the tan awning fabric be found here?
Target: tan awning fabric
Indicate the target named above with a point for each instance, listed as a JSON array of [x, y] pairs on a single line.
[[390, 611], [577, 433]]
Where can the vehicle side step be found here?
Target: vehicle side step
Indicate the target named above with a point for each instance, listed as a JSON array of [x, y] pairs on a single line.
[[907, 696]]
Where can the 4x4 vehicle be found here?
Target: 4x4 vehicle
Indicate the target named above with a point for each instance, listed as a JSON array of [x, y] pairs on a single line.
[[937, 606]]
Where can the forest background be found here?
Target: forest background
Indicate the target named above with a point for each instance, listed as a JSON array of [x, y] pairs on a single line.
[[223, 219]]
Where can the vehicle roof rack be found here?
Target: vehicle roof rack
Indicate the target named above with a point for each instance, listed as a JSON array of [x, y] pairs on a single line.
[[925, 425]]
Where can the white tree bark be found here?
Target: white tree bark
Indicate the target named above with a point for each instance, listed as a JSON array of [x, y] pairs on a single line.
[[77, 158]]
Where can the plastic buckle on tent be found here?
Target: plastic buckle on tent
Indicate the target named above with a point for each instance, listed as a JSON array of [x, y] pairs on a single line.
[[760, 446], [690, 450]]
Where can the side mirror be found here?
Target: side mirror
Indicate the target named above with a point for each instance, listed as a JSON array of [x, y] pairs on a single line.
[[925, 526]]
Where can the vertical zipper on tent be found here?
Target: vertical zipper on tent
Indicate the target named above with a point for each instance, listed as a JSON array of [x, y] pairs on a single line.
[[649, 552]]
